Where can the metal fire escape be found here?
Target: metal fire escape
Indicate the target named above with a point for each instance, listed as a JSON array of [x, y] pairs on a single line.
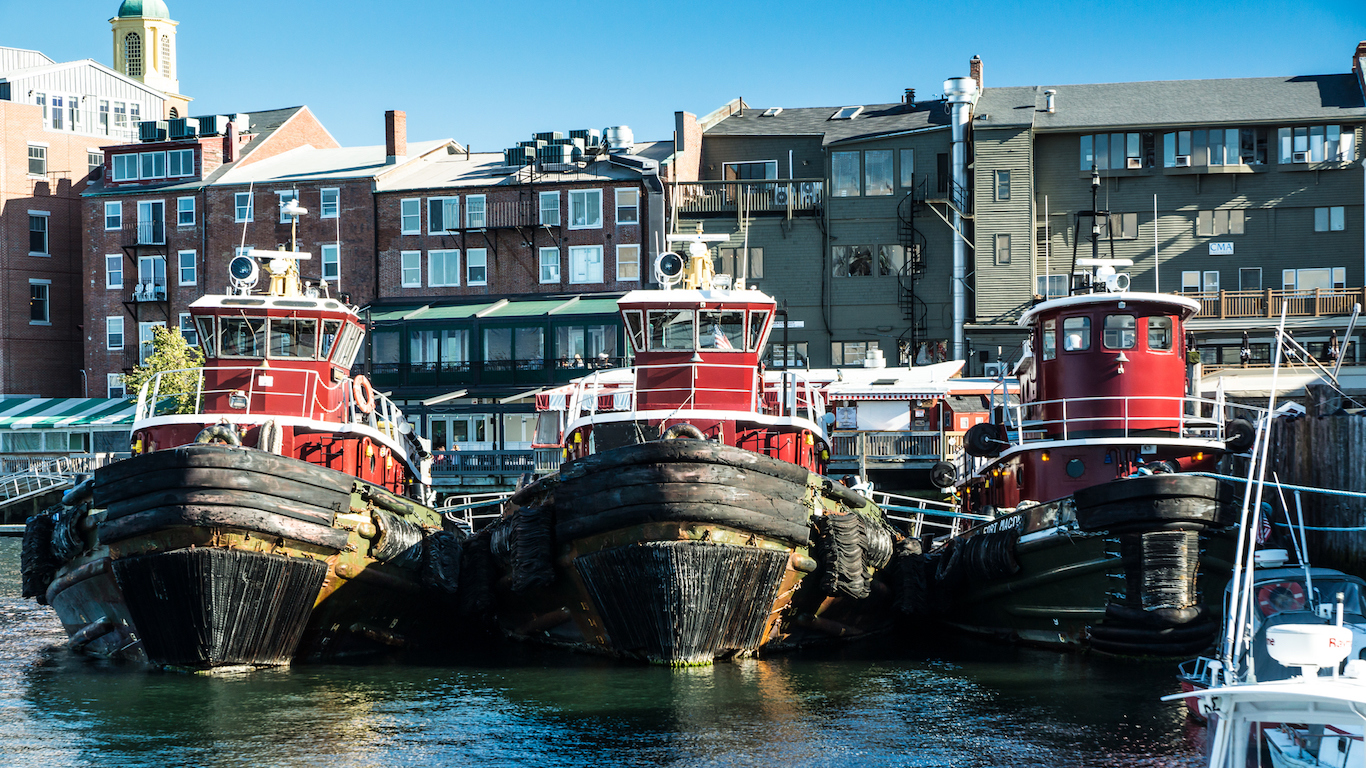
[[912, 241]]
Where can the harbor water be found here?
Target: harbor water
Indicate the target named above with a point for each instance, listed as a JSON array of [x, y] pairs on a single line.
[[889, 702]]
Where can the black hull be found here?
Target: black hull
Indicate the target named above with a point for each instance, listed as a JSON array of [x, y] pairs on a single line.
[[221, 556], [1134, 567], [683, 552]]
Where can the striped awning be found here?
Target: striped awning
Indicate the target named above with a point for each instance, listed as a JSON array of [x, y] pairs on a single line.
[[865, 395], [66, 412]]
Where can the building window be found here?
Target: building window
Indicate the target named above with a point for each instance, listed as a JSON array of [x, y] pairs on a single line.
[[1324, 278], [1003, 185], [411, 268], [585, 263], [153, 165], [37, 233], [132, 54], [285, 196], [844, 174], [443, 268], [1190, 282], [853, 260], [125, 167], [39, 309], [850, 352], [166, 56], [184, 211], [907, 168], [187, 330], [628, 206], [120, 118], [1316, 144], [877, 172], [1052, 286], [728, 263], [628, 262], [791, 355], [1126, 226], [331, 256], [113, 332], [242, 204], [550, 265], [147, 338], [151, 222], [1222, 221], [104, 117], [585, 209], [114, 385], [113, 270], [330, 203], [1249, 278], [550, 209], [180, 162], [410, 216], [152, 276], [474, 212], [443, 215], [1330, 219], [94, 161], [1210, 281], [1112, 151], [58, 112], [113, 216], [750, 170], [37, 160], [477, 266], [1002, 249], [188, 266]]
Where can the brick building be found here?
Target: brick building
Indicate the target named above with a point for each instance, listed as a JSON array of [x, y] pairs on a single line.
[[160, 232], [54, 120]]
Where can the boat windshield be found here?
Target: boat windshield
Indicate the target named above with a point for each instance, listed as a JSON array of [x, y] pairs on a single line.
[[671, 329], [1285, 595], [242, 336]]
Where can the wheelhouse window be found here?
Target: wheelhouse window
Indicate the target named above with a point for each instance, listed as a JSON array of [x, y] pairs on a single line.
[[1120, 332], [635, 328], [331, 332], [294, 337], [206, 335], [1049, 342], [1076, 334], [242, 336], [671, 329], [758, 320], [721, 330], [1160, 334]]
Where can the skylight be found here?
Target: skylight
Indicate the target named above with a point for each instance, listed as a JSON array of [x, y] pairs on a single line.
[[847, 113], [772, 112]]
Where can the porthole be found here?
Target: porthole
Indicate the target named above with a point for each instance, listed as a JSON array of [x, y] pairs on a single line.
[[1075, 468]]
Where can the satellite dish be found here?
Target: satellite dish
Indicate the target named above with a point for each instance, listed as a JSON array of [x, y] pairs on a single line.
[[669, 268], [244, 272]]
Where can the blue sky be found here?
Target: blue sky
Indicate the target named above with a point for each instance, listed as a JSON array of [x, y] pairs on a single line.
[[489, 74]]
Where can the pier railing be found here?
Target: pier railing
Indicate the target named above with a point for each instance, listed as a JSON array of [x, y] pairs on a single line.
[[883, 447], [1308, 302], [691, 198]]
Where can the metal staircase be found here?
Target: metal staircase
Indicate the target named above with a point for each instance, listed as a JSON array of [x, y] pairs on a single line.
[[912, 241], [36, 480]]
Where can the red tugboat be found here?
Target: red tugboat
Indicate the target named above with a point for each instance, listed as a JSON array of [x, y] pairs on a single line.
[[690, 520], [1104, 537], [273, 509]]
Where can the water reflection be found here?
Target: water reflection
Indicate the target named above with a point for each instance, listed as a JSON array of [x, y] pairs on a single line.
[[945, 702]]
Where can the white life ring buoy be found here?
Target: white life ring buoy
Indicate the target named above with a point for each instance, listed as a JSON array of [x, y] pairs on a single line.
[[363, 393], [1281, 597]]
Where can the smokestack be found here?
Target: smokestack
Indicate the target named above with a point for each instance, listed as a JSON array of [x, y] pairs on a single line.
[[909, 98], [975, 71], [395, 136], [1048, 105]]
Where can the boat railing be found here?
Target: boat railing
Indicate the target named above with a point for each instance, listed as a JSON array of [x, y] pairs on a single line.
[[473, 510], [183, 392], [591, 395], [1195, 418], [792, 394], [918, 517]]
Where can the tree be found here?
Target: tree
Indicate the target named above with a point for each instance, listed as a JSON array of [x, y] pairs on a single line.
[[177, 361]]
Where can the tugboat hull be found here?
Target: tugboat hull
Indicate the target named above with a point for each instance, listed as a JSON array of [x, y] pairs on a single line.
[[217, 556], [683, 552], [1123, 568]]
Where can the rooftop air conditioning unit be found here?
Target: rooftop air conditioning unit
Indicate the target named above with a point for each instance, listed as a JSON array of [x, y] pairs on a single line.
[[152, 130], [1183, 161], [995, 370], [781, 194], [548, 137], [212, 125], [1299, 157], [184, 128], [1134, 163]]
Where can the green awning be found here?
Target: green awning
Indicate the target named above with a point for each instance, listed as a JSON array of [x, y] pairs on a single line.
[[560, 306], [66, 412]]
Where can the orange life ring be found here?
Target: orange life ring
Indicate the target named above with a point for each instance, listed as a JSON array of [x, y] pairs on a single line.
[[363, 393], [1281, 597]]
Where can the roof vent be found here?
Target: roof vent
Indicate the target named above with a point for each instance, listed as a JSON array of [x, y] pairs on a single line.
[[1048, 101], [619, 139]]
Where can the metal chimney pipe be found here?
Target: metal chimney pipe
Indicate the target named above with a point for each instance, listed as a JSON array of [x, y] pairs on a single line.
[[1048, 100], [961, 94]]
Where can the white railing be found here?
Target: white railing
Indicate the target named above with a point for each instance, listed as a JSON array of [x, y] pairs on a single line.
[[386, 416], [474, 510], [911, 513], [886, 445], [1195, 418]]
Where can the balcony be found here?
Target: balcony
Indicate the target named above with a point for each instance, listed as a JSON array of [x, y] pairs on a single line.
[[885, 450], [780, 196], [150, 233], [454, 466], [1305, 302], [143, 292]]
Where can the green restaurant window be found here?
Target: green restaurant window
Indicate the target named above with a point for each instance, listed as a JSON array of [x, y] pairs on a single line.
[[498, 349], [529, 346], [384, 358], [586, 346]]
